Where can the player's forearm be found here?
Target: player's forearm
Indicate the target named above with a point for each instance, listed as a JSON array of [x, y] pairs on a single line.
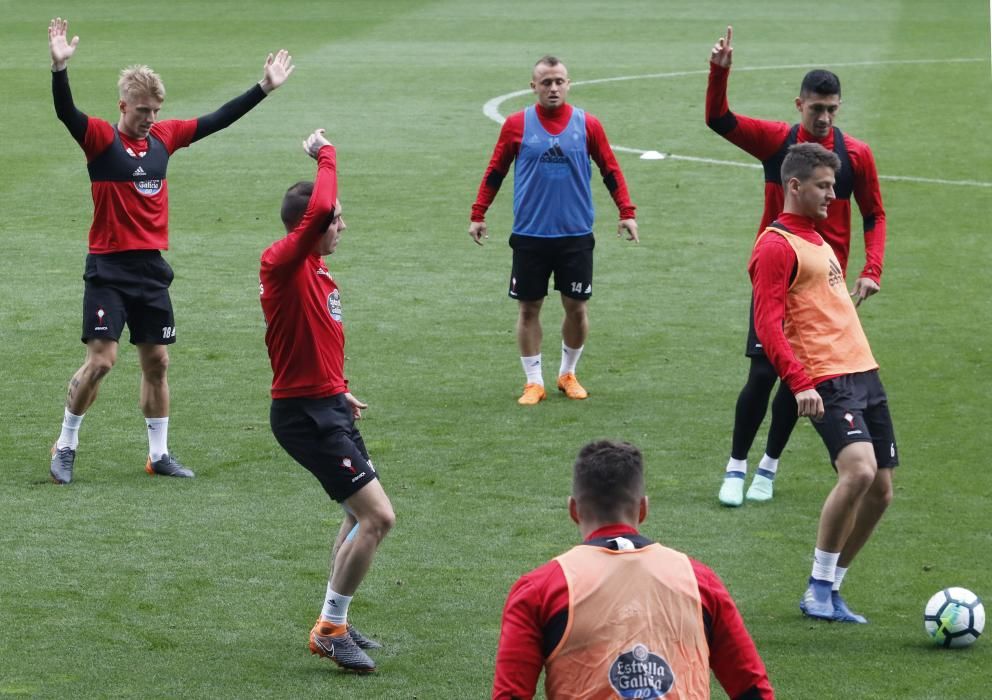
[[718, 115], [229, 112], [65, 109], [874, 247]]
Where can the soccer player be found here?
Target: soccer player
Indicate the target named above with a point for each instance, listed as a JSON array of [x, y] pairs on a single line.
[[550, 144], [313, 414], [811, 334], [818, 103], [126, 279], [620, 613]]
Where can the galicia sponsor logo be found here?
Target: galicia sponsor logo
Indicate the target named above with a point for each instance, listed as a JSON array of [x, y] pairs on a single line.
[[639, 673], [334, 305], [149, 188], [360, 475]]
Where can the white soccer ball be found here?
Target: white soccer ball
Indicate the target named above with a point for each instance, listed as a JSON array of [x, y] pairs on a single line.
[[954, 617]]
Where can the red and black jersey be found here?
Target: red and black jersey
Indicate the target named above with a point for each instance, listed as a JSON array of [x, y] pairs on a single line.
[[128, 176], [768, 141], [129, 186], [536, 615], [554, 122], [301, 303]]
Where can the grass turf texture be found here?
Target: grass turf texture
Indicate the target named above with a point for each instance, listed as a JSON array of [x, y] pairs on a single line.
[[121, 585]]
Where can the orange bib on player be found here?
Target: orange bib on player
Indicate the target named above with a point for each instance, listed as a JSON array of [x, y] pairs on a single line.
[[821, 323], [635, 627]]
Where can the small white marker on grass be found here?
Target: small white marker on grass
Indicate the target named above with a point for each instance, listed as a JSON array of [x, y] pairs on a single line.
[[653, 155]]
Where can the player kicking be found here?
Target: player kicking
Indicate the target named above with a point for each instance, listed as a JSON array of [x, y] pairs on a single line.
[[313, 414], [811, 333], [126, 279]]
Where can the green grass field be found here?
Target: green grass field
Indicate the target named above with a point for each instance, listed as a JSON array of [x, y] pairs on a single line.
[[124, 586]]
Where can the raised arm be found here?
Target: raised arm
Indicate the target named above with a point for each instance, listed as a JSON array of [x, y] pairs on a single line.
[[758, 137], [61, 49], [277, 69], [299, 243]]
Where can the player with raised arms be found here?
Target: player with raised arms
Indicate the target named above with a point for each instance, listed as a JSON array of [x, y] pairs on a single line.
[[126, 278], [818, 104]]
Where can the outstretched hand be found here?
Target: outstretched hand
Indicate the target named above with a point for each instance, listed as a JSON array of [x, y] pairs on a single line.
[[314, 142], [722, 53], [277, 69], [61, 49]]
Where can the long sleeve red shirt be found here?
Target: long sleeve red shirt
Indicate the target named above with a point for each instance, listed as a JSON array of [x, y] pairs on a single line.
[[771, 268], [300, 300], [763, 139], [554, 121], [537, 607]]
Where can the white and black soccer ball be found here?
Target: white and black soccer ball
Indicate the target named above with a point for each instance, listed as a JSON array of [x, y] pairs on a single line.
[[954, 617]]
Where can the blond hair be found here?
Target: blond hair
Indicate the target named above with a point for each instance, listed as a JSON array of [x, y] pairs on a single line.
[[140, 81]]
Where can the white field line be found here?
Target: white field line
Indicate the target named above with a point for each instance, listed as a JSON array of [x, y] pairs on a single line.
[[491, 110]]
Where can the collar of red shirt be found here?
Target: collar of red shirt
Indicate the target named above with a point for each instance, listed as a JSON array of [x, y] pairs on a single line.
[[614, 530]]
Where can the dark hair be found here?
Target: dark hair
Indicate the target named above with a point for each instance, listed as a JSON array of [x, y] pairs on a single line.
[[294, 203], [608, 479], [803, 158], [548, 60], [821, 82]]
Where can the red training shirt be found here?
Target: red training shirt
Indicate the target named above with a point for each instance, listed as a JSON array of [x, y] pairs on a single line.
[[125, 217], [541, 595], [301, 303], [554, 122], [763, 139], [771, 269]]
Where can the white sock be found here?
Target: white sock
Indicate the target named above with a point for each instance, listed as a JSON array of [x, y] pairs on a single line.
[[825, 565], [335, 606], [158, 437], [532, 368], [569, 358], [737, 465], [69, 437], [768, 464], [839, 573]]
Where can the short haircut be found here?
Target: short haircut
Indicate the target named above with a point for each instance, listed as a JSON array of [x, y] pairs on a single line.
[[608, 479], [547, 60], [137, 82], [820, 82], [803, 158], [294, 203]]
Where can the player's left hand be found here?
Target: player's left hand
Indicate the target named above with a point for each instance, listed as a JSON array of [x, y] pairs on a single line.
[[630, 226], [864, 287], [356, 405], [277, 69]]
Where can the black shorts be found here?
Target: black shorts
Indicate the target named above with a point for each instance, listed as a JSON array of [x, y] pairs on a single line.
[[129, 288], [321, 435], [856, 409], [754, 347], [536, 258]]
